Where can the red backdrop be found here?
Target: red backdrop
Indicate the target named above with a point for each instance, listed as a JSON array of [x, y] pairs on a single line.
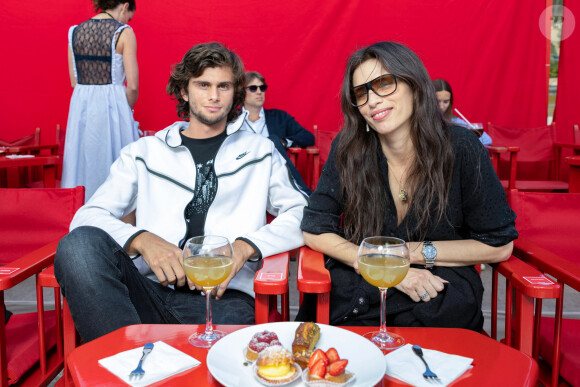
[[567, 102], [491, 51]]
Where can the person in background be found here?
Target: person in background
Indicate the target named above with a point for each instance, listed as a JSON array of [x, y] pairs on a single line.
[[277, 125], [445, 100], [399, 169], [203, 176], [102, 56]]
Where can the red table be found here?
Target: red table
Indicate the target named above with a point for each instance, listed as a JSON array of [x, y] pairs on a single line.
[[494, 363], [49, 166]]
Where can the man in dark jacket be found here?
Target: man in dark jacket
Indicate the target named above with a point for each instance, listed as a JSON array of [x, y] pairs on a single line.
[[277, 125]]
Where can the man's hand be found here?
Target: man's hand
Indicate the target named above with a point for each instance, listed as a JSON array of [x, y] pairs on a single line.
[[164, 258], [242, 252], [421, 282]]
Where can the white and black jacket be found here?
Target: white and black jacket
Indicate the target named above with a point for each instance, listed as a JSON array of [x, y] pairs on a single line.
[[156, 176]]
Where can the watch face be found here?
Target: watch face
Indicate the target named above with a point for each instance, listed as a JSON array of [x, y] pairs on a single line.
[[429, 251]]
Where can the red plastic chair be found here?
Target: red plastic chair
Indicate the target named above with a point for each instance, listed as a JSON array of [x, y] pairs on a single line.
[[33, 220], [549, 228], [533, 158]]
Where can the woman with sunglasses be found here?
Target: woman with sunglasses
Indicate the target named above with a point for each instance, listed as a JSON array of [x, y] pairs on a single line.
[[399, 169]]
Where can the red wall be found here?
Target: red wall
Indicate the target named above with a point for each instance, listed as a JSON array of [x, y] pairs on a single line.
[[491, 51]]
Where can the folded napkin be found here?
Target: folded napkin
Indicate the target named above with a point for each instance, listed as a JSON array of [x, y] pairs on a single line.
[[162, 362], [403, 364], [19, 156]]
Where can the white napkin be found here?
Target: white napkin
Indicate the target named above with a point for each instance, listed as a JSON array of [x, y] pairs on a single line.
[[162, 362], [19, 156], [403, 364]]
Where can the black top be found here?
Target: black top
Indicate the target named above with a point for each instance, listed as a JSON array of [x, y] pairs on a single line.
[[203, 152], [282, 126], [92, 48], [477, 210]]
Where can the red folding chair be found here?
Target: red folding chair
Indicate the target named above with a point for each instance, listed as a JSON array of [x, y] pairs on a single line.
[[31, 139], [533, 158], [33, 220], [549, 228]]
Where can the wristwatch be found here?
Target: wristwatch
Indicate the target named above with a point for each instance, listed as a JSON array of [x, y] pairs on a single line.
[[429, 253]]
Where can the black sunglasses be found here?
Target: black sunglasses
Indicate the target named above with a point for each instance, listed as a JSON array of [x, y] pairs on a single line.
[[254, 88], [382, 86]]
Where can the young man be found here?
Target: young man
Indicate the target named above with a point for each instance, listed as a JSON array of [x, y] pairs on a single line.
[[277, 125], [202, 177]]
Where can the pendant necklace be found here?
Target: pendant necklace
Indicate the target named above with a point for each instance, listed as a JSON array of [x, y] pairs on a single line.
[[403, 194]]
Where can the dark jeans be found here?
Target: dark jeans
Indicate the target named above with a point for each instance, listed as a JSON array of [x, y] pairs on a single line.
[[105, 291]]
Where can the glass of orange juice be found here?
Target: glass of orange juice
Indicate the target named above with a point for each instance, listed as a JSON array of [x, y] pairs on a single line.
[[207, 261], [384, 262]]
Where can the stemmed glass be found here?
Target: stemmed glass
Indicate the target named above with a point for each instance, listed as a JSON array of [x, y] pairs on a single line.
[[384, 262], [207, 261]]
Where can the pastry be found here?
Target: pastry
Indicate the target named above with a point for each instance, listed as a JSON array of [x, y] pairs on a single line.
[[305, 339], [259, 342], [275, 364]]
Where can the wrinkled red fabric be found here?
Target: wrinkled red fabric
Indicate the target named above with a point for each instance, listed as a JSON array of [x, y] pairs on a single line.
[[22, 342], [491, 51]]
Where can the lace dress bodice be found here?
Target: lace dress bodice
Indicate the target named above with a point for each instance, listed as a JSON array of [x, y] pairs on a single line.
[[95, 60]]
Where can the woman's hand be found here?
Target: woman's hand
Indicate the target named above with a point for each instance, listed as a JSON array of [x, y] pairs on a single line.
[[421, 282]]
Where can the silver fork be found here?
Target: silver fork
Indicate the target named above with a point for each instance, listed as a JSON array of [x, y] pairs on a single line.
[[138, 372], [428, 374]]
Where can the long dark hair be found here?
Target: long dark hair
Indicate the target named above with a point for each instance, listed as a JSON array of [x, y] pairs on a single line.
[[429, 179], [443, 85], [194, 63]]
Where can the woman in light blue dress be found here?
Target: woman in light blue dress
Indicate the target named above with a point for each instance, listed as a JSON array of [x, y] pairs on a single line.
[[102, 57]]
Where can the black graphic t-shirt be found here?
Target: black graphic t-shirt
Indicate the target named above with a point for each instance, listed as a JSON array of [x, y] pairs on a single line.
[[203, 152]]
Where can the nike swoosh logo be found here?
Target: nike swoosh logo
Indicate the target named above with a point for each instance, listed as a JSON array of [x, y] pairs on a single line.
[[241, 155]]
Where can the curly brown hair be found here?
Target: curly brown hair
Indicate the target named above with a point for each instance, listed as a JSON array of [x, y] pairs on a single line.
[[194, 63], [110, 4], [358, 160]]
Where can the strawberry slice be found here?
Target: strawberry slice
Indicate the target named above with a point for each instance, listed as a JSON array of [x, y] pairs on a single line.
[[318, 355], [332, 355], [337, 367], [318, 370]]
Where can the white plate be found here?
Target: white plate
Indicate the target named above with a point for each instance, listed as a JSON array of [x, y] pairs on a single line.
[[225, 360]]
